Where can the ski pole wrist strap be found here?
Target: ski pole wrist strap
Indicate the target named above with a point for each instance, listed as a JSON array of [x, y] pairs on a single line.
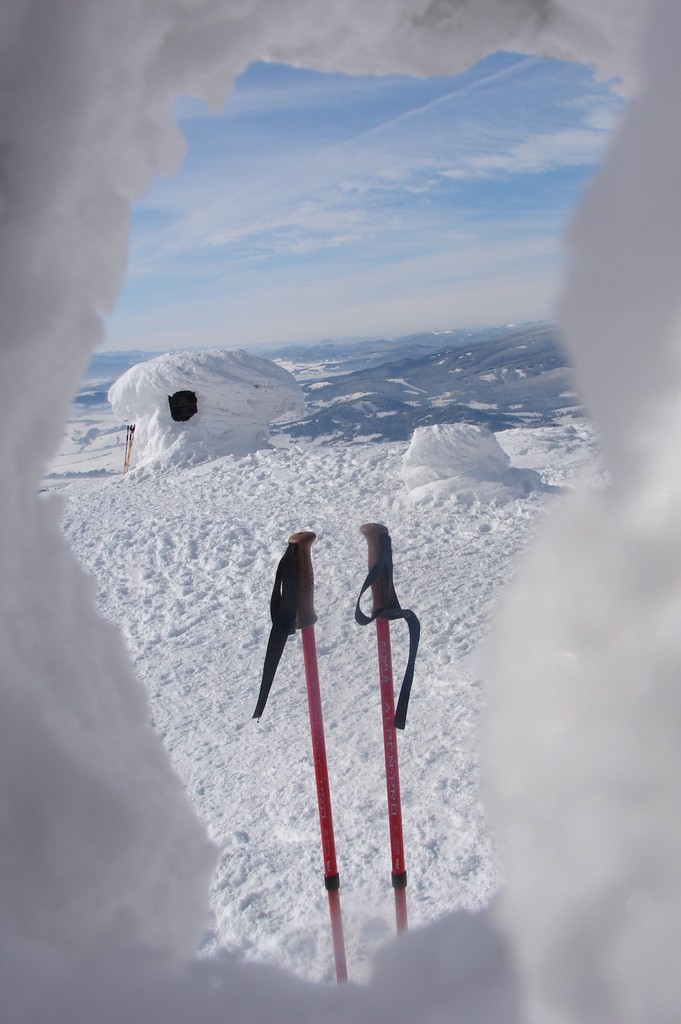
[[383, 566], [283, 608]]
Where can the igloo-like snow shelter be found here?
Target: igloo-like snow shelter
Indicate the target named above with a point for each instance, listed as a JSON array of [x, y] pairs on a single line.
[[190, 406]]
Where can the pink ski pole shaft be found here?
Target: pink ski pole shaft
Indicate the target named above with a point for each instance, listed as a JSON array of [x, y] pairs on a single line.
[[305, 620], [381, 599]]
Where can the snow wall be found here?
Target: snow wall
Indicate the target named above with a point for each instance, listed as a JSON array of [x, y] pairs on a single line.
[[103, 869]]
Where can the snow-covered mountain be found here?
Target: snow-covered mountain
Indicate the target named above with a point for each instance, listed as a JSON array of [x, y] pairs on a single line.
[[343, 355], [516, 376]]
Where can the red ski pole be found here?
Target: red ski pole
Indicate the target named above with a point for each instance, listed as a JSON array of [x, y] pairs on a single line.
[[292, 607], [381, 590], [305, 620]]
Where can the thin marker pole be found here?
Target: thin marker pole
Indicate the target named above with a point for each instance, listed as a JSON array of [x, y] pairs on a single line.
[[306, 617]]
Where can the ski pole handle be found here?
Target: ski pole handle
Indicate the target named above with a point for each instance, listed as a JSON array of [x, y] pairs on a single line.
[[380, 588], [305, 613]]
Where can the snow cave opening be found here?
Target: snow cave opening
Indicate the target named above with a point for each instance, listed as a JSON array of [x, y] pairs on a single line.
[[183, 405]]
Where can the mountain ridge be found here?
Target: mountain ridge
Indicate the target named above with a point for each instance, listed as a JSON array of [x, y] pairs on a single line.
[[512, 379]]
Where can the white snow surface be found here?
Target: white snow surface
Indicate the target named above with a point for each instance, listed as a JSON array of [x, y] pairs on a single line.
[[463, 460], [238, 395], [184, 562], [105, 867]]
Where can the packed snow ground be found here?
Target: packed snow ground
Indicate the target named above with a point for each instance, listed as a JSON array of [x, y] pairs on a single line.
[[184, 562]]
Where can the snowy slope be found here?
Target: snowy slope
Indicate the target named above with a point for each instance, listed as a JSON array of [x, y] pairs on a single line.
[[184, 562]]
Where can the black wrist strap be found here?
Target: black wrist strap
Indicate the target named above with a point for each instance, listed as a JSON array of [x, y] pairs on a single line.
[[393, 610], [283, 615]]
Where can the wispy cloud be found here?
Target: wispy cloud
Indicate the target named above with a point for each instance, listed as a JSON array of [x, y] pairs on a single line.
[[344, 185]]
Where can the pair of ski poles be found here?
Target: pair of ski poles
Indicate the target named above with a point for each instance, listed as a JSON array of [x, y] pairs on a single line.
[[129, 441], [291, 607]]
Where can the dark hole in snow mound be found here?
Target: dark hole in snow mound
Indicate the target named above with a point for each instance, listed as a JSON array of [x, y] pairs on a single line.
[[183, 405]]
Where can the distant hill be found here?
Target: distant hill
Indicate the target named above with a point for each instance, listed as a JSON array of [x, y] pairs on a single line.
[[514, 377], [327, 358]]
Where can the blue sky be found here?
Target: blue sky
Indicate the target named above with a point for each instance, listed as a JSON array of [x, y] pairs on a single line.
[[325, 206]]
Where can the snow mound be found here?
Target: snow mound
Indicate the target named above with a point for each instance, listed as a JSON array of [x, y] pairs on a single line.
[[227, 399], [98, 838], [464, 461]]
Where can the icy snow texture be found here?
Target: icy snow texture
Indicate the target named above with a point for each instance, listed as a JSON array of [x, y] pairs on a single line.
[[583, 744], [464, 461], [238, 395], [584, 710]]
